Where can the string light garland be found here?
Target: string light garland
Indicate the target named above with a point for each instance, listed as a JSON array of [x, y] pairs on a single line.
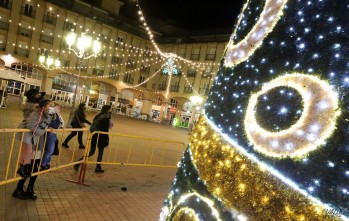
[[237, 53], [146, 80]]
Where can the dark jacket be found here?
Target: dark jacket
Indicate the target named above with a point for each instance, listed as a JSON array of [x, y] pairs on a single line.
[[101, 123], [80, 113]]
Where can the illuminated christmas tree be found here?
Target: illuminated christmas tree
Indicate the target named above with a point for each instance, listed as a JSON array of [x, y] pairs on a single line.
[[278, 148]]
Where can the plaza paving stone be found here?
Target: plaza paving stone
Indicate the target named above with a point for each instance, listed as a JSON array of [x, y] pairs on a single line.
[[58, 199]]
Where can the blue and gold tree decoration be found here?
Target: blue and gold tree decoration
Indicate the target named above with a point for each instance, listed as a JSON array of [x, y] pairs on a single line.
[[272, 143]]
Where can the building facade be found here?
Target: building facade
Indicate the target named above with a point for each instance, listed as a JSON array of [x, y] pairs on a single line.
[[127, 72]]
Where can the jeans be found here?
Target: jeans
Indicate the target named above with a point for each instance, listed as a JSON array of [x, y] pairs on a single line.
[[93, 149], [50, 147], [73, 134]]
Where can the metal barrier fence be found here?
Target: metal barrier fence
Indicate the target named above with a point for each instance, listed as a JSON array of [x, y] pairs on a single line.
[[10, 153], [122, 150], [131, 150]]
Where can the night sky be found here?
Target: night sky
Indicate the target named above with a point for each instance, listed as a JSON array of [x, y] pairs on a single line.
[[190, 15]]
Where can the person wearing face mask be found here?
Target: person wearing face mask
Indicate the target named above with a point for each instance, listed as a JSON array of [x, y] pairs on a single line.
[[51, 138], [101, 122], [32, 142]]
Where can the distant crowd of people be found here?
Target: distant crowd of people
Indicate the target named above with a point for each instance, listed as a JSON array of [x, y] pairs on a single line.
[[40, 114]]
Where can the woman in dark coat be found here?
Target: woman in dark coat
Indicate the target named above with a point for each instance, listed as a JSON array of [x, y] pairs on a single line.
[[101, 122], [77, 122]]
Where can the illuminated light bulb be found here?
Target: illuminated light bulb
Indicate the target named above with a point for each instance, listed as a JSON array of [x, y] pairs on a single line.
[[331, 164]]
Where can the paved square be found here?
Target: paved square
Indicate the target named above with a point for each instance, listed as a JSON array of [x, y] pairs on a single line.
[[103, 200]]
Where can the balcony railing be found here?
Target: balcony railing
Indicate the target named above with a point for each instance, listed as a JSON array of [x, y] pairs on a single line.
[[5, 4], [47, 39], [4, 25], [194, 57], [65, 63], [28, 11], [68, 26], [204, 91], [188, 90], [98, 72], [145, 69], [131, 64], [25, 32], [128, 80], [191, 73], [22, 52], [50, 19], [174, 88], [113, 76], [162, 87], [83, 68], [210, 57], [116, 60], [102, 57]]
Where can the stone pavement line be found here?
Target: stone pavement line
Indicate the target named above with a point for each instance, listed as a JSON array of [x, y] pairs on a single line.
[[104, 200]]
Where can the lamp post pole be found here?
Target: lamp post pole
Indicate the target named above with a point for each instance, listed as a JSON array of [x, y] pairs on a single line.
[[170, 69], [83, 42], [76, 87]]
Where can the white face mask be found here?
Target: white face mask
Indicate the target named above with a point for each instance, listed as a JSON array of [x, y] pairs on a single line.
[[51, 110]]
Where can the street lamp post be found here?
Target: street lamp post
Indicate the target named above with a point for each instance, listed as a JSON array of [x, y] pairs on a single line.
[[196, 101], [170, 69], [83, 43]]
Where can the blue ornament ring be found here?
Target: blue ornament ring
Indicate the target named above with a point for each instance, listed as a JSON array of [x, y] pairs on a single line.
[[312, 129]]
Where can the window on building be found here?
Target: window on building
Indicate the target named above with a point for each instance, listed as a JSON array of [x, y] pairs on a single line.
[[4, 24], [158, 101], [147, 51], [28, 10], [50, 18], [141, 79], [211, 54], [181, 52], [113, 74], [131, 63], [69, 24], [2, 42], [5, 3], [173, 103], [65, 80], [119, 42], [195, 54]]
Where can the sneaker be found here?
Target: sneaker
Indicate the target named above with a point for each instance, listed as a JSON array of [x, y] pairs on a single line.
[[30, 193], [76, 167], [99, 169], [65, 145], [20, 194], [45, 167], [82, 147]]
